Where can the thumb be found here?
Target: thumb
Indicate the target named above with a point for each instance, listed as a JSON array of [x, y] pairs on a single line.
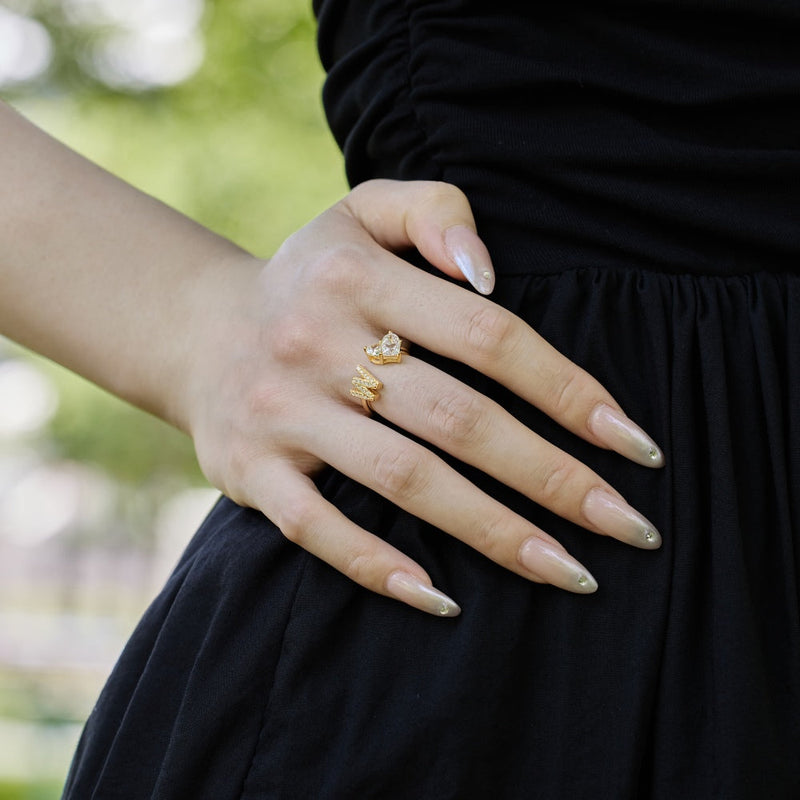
[[432, 216]]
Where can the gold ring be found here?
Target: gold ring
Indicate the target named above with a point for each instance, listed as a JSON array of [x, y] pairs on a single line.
[[389, 350], [366, 387]]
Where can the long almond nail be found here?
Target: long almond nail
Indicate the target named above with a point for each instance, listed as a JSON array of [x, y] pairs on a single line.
[[554, 565], [621, 434], [471, 256], [404, 586], [616, 518]]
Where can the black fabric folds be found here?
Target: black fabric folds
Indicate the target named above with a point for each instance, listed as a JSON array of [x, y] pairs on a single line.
[[645, 134], [634, 169]]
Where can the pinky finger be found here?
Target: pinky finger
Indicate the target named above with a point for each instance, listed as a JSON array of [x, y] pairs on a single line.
[[304, 517]]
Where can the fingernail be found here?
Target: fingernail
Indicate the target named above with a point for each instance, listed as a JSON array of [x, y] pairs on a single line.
[[616, 518], [404, 586], [554, 565], [624, 436], [470, 255]]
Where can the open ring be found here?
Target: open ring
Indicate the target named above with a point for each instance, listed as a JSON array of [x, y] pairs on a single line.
[[389, 350], [366, 387]]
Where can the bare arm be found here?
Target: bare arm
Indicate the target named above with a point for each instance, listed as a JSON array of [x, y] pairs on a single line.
[[95, 274]]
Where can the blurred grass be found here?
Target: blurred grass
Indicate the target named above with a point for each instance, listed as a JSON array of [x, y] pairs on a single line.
[[36, 790], [92, 426]]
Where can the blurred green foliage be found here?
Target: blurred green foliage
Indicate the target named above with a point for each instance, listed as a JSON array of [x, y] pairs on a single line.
[[242, 147], [91, 425], [23, 790]]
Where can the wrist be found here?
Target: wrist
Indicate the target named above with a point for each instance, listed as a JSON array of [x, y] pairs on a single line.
[[218, 306]]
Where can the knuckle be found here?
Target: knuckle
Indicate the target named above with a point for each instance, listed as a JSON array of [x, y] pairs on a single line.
[[494, 534], [367, 200], [441, 193], [555, 480], [489, 331], [366, 190], [291, 339], [460, 418], [359, 568], [399, 472], [234, 469], [296, 521], [340, 271], [571, 391], [563, 392]]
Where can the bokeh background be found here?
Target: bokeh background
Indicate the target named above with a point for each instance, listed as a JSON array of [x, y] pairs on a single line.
[[214, 107]]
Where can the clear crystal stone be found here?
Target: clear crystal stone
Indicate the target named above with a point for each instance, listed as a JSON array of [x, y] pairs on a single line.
[[390, 345]]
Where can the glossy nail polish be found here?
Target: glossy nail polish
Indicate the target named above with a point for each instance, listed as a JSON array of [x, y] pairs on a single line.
[[621, 434], [554, 565], [616, 518], [471, 256], [404, 586]]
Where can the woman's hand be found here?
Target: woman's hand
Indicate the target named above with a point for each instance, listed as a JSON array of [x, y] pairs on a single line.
[[268, 396]]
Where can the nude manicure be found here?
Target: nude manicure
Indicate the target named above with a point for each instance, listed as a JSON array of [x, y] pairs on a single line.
[[404, 586], [471, 256], [621, 434], [554, 565], [616, 518]]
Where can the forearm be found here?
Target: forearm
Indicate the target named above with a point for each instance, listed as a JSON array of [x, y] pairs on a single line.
[[99, 276]]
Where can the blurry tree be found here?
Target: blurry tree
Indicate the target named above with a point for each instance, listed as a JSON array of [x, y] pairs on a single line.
[[213, 107]]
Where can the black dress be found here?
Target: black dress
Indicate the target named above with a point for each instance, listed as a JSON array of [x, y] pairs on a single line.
[[634, 168]]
